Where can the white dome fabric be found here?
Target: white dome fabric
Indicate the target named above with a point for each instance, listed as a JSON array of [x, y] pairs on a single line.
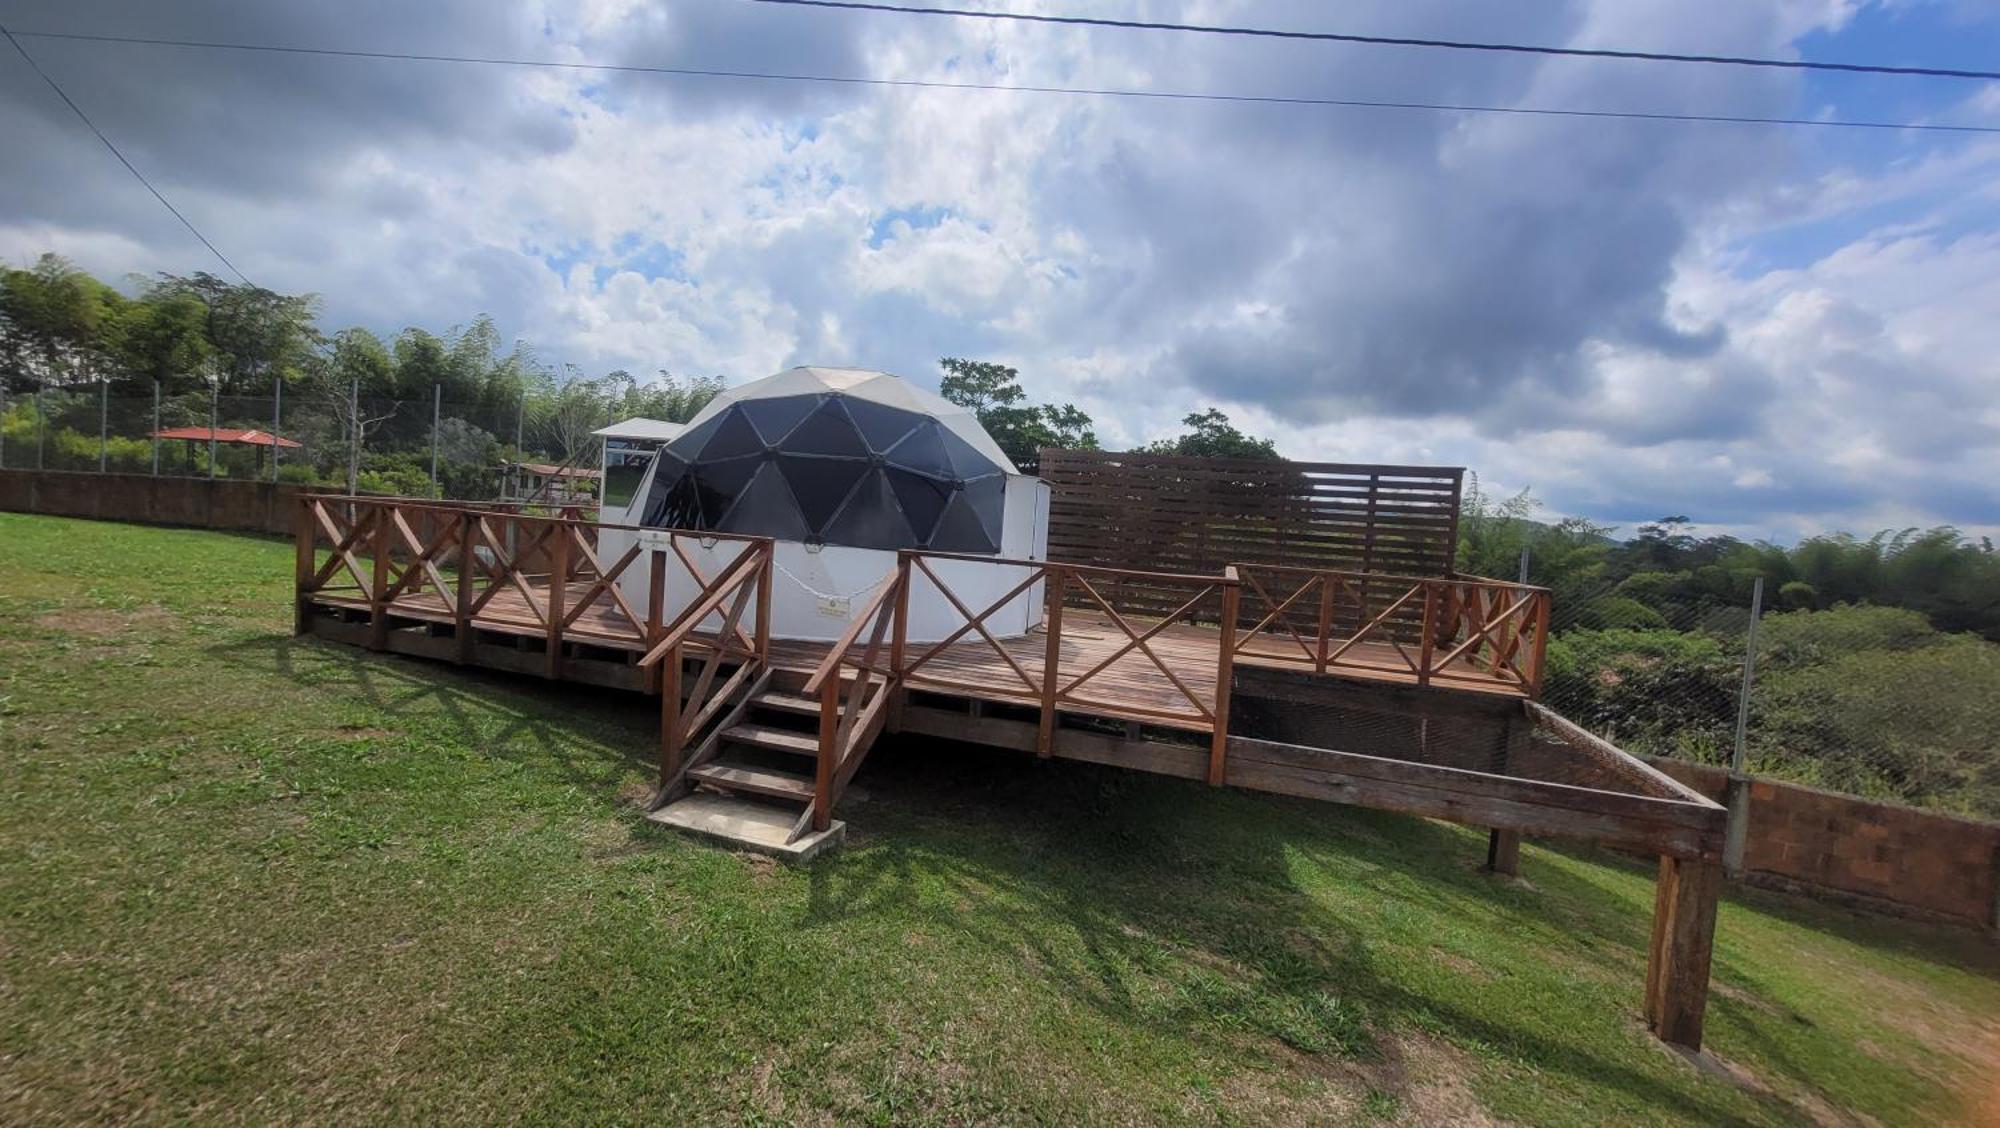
[[867, 384]]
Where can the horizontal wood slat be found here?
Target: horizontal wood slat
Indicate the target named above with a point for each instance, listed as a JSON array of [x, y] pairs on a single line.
[[1196, 516]]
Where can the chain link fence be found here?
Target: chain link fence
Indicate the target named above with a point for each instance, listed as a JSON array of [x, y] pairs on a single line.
[[1872, 701], [430, 447]]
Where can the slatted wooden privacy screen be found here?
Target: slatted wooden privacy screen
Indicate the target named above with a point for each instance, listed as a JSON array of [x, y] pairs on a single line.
[[1166, 513]]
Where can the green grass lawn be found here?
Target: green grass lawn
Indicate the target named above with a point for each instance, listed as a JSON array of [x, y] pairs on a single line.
[[249, 878]]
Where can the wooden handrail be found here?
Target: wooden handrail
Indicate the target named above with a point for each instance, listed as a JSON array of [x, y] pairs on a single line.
[[508, 509]]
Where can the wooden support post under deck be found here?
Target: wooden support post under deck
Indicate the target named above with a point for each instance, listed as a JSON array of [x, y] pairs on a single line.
[[304, 555], [558, 587], [1045, 734], [1225, 669], [468, 564], [378, 584], [1503, 847], [1677, 962], [670, 720]]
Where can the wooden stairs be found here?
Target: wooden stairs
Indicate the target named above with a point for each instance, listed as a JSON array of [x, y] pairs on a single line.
[[755, 789], [758, 759]]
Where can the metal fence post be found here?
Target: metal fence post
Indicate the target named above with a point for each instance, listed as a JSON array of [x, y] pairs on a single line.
[[354, 436], [103, 425], [3, 424], [41, 426], [277, 410], [156, 428], [437, 409], [214, 405], [1524, 563], [1737, 797]]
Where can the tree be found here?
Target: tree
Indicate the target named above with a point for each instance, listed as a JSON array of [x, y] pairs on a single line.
[[259, 335], [993, 393], [1211, 435], [164, 337], [57, 323], [358, 361]]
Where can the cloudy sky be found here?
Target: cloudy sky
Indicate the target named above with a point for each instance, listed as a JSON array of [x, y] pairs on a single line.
[[1773, 330]]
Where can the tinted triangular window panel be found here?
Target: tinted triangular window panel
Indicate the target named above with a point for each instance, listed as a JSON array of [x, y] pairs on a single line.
[[688, 445], [965, 461], [775, 418], [820, 484], [882, 426], [960, 529], [733, 438], [923, 500], [674, 504], [718, 483], [827, 431], [922, 452], [871, 518], [766, 507], [988, 497]]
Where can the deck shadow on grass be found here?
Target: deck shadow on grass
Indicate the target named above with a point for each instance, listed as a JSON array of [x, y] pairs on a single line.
[[1183, 910], [592, 736]]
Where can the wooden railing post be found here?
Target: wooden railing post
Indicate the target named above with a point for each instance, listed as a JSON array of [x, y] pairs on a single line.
[[378, 608], [1058, 587], [656, 602], [304, 545], [1539, 652], [1225, 668], [1326, 582], [829, 739], [899, 632], [558, 587], [1429, 640], [468, 564], [764, 570]]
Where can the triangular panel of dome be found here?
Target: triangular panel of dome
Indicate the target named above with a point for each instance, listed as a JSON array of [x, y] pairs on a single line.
[[765, 507], [922, 498], [988, 495], [674, 503], [965, 461], [827, 430], [820, 484], [690, 442], [775, 417], [961, 530], [882, 426], [719, 483], [923, 453], [734, 437], [871, 518]]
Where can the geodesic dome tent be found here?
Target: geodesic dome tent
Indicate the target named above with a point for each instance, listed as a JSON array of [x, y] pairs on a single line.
[[835, 456]]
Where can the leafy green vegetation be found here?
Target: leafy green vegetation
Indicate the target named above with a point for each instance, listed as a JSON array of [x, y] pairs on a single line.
[[249, 878], [1878, 668]]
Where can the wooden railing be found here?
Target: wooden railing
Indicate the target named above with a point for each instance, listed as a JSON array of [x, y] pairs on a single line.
[[855, 692], [493, 568], [1464, 628], [691, 722], [1161, 694]]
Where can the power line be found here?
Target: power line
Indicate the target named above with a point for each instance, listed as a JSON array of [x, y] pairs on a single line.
[[1083, 91], [129, 167], [1394, 41]]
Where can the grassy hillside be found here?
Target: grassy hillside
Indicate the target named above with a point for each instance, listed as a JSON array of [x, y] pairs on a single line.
[[248, 878]]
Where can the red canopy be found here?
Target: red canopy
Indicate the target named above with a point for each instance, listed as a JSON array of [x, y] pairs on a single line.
[[226, 435]]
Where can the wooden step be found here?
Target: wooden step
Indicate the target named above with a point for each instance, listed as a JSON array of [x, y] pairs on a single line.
[[758, 781], [787, 703], [775, 739]]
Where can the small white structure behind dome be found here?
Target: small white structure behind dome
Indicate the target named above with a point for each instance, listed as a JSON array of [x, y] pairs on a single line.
[[842, 467], [629, 445]]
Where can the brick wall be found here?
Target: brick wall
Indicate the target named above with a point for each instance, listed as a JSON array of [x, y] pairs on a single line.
[[208, 503], [1881, 853]]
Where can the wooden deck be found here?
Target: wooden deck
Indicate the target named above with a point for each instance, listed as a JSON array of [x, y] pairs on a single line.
[[1131, 687]]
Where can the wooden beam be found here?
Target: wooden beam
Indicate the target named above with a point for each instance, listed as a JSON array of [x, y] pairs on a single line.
[[1677, 961], [1614, 757]]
